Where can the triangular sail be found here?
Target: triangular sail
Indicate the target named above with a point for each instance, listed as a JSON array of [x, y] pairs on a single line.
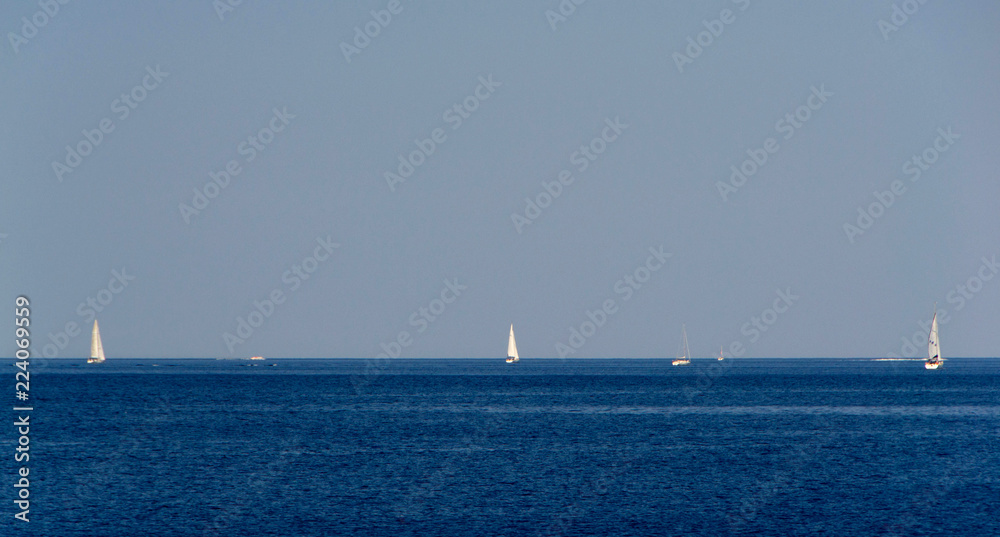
[[933, 347], [685, 353], [96, 348], [511, 345]]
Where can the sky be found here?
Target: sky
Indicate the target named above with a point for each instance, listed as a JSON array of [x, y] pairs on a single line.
[[411, 178]]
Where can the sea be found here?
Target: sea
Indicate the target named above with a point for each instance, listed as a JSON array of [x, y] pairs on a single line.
[[471, 447]]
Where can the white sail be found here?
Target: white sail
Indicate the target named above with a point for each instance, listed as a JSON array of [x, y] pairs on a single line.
[[512, 347], [96, 348], [934, 360], [685, 357], [686, 353], [933, 347]]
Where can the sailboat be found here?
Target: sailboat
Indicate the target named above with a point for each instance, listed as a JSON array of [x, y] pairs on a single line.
[[721, 356], [685, 357], [512, 348], [934, 360], [96, 348]]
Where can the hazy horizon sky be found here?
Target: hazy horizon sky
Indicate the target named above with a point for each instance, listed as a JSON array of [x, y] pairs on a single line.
[[824, 106]]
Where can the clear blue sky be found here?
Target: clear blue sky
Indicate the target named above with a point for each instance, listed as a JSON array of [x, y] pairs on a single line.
[[531, 88]]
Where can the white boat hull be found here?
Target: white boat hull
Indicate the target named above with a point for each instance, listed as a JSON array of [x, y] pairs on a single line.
[[681, 362], [933, 365], [511, 360]]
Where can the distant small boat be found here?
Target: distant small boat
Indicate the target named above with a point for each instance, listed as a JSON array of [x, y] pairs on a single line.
[[96, 348], [721, 356], [512, 348], [685, 357], [934, 360], [256, 357]]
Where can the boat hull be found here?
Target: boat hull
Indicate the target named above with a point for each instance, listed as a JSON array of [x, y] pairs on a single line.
[[933, 365], [681, 362], [511, 360]]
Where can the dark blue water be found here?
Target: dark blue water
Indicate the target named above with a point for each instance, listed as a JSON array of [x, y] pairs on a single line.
[[544, 447]]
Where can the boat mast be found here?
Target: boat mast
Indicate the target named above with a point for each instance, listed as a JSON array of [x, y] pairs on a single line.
[[684, 335]]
